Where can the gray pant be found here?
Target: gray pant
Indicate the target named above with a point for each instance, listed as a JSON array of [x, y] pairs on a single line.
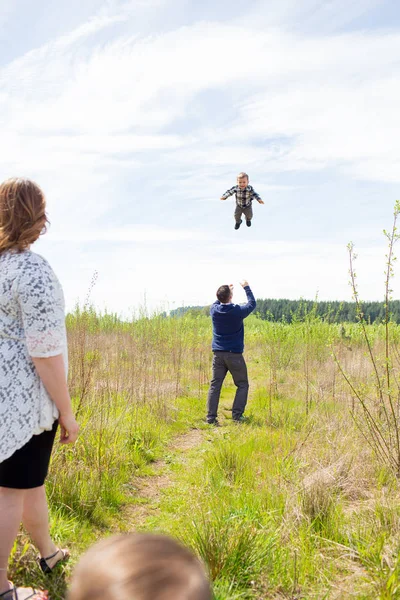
[[247, 212], [236, 365]]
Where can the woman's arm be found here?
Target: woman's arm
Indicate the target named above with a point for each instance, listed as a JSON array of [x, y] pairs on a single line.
[[51, 371]]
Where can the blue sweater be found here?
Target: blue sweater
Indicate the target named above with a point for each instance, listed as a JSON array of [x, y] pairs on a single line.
[[227, 319]]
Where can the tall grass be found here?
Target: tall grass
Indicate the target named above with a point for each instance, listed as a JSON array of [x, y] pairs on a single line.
[[127, 379], [293, 505]]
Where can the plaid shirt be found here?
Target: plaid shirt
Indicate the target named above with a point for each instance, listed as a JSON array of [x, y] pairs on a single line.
[[244, 197]]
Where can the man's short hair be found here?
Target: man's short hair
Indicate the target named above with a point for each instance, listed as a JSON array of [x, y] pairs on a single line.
[[224, 293], [241, 175]]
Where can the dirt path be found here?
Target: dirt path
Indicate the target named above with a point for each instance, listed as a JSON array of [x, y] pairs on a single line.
[[148, 489]]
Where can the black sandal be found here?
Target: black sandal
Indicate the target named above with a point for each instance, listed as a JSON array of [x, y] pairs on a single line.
[[13, 591], [44, 565]]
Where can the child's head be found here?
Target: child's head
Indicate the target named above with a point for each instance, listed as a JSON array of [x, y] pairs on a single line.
[[242, 180], [139, 567]]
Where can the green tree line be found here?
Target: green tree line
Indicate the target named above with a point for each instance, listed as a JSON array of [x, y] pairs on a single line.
[[273, 309]]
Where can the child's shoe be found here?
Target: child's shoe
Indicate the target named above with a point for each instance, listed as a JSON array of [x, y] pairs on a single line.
[[237, 225], [248, 223]]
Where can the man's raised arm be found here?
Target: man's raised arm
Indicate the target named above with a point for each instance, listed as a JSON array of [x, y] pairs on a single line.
[[251, 301]]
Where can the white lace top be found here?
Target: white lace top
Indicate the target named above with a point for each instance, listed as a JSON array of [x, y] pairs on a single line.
[[32, 323]]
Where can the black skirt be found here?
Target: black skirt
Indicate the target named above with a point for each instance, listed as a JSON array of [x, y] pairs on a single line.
[[27, 467]]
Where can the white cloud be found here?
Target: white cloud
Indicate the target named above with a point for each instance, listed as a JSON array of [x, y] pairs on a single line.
[[91, 27], [6, 9], [330, 100], [123, 130], [134, 234], [307, 15]]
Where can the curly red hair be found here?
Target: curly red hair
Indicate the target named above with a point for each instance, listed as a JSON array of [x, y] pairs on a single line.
[[22, 214]]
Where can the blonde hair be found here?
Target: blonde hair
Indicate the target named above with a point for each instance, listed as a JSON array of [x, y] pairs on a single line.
[[242, 174], [139, 567], [22, 214]]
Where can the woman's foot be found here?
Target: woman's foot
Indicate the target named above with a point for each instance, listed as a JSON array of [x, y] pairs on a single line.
[[48, 563], [23, 593], [4, 591]]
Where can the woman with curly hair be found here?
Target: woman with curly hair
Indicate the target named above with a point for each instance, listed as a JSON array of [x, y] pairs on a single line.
[[34, 397]]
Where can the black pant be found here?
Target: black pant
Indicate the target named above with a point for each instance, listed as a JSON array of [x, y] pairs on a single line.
[[236, 365], [27, 467]]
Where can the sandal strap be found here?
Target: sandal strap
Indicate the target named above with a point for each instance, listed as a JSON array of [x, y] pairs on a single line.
[[52, 555], [44, 565], [12, 591]]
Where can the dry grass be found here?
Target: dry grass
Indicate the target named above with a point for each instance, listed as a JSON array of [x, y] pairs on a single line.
[[300, 477]]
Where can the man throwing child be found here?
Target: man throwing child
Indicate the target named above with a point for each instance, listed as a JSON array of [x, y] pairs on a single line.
[[227, 347]]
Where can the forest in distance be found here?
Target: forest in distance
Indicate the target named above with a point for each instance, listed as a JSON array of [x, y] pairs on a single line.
[[278, 310]]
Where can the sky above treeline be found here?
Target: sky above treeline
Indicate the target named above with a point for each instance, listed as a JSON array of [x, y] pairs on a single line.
[[135, 116]]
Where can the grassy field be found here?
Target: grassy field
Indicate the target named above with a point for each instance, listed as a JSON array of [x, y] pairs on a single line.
[[300, 502]]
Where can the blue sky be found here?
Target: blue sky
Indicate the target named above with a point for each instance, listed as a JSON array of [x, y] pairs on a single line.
[[134, 117]]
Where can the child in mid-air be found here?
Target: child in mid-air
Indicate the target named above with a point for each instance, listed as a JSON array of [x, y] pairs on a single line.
[[245, 194]]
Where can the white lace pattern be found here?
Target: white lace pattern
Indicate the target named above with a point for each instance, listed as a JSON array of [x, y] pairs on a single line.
[[32, 323]]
